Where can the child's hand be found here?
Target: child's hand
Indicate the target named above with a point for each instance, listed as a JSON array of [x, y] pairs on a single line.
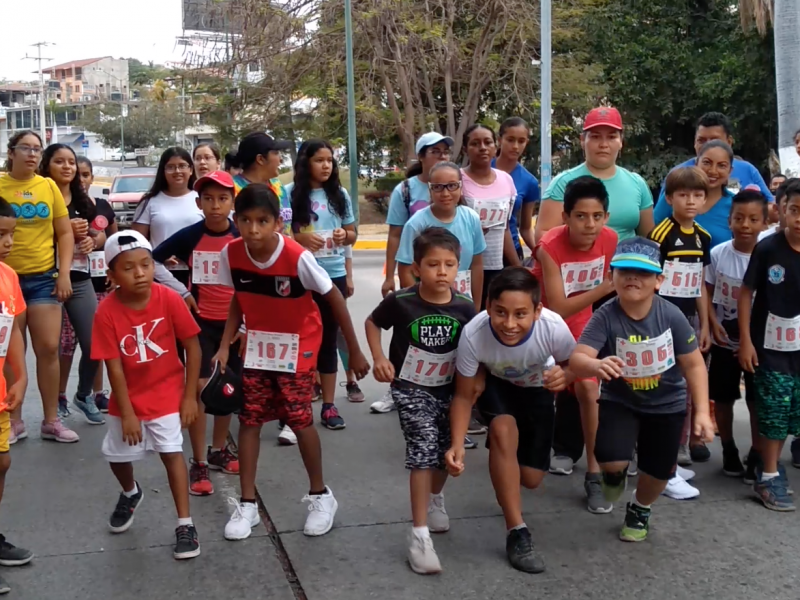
[[350, 289], [454, 460], [221, 357], [358, 364], [310, 241], [188, 411], [131, 430], [85, 246], [719, 334], [609, 368], [63, 289], [241, 337], [704, 341], [80, 227], [339, 236], [192, 304], [703, 427], [383, 371], [388, 286], [748, 358], [15, 395], [555, 379]]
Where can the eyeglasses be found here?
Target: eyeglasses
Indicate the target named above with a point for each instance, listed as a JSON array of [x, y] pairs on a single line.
[[438, 153], [184, 168], [440, 187], [25, 149]]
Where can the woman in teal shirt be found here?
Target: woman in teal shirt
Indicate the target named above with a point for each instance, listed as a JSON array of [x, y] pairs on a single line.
[[630, 200]]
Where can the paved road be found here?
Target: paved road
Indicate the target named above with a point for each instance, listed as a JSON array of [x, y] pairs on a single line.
[[723, 545]]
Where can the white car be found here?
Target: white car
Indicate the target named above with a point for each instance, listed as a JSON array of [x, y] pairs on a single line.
[[117, 155]]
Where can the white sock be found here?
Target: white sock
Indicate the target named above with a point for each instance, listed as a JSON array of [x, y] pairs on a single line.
[[639, 504], [133, 492], [421, 532], [216, 449], [520, 526], [768, 476], [186, 521]]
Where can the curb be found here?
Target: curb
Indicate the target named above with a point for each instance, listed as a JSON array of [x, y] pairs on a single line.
[[370, 245]]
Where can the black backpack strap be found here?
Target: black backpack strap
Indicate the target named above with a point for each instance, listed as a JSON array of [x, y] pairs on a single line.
[[407, 196]]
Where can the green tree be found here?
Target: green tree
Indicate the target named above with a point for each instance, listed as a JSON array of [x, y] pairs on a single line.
[[148, 124]]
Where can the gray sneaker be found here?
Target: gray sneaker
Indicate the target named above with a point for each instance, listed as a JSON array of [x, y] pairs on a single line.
[[684, 456], [89, 409], [561, 465], [596, 502]]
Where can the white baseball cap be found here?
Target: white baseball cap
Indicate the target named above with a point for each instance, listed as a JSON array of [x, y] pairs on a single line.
[[122, 241], [431, 139]]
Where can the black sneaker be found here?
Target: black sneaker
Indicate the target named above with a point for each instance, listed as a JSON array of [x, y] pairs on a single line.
[[122, 517], [700, 453], [11, 556], [753, 464], [637, 523], [731, 462], [4, 587], [796, 453], [186, 543], [520, 552], [469, 443]]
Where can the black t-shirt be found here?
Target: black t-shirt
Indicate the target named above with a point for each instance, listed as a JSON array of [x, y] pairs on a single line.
[[103, 210], [79, 261], [421, 329], [691, 246], [774, 277]]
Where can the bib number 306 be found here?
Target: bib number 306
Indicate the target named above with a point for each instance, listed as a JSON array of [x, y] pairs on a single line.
[[272, 351], [647, 358], [782, 334], [428, 369]]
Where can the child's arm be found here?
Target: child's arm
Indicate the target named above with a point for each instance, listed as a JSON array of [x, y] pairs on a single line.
[[189, 404], [510, 250], [356, 361], [702, 313], [584, 363], [15, 358], [554, 287], [65, 244], [696, 374], [476, 275], [748, 357], [718, 332], [460, 412], [405, 275], [348, 268], [131, 427], [383, 370], [231, 329]]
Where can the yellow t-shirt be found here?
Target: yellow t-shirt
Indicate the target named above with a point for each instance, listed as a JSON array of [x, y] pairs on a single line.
[[36, 203]]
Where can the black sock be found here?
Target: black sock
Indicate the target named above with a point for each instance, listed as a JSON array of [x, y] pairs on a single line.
[[322, 493], [243, 500]]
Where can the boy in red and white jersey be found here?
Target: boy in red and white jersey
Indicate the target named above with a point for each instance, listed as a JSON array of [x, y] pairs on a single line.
[[273, 277]]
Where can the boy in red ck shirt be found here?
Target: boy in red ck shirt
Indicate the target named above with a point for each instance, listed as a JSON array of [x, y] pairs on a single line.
[[273, 277], [152, 397]]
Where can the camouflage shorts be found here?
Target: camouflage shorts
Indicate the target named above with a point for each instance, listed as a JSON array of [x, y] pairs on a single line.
[[778, 402]]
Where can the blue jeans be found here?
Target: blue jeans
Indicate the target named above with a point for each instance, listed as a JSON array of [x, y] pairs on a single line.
[[39, 288]]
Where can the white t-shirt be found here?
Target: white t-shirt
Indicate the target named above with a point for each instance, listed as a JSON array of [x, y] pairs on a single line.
[[768, 231], [550, 341], [311, 275], [725, 273], [167, 215]]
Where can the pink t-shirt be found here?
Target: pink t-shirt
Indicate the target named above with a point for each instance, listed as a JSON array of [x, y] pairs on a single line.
[[493, 203]]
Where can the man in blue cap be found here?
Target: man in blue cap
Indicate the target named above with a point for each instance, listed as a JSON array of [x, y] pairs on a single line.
[[645, 351]]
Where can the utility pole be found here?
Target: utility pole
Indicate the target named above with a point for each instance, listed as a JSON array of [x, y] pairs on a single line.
[[351, 106], [42, 97], [546, 75]]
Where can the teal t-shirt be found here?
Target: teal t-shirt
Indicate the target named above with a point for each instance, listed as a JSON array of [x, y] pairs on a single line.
[[627, 195]]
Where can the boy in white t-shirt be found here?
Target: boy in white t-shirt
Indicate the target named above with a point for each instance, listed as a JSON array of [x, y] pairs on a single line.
[[724, 280]]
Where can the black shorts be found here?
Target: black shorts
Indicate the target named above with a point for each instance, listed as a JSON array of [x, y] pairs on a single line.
[[488, 277], [724, 377], [655, 437], [210, 337], [533, 409]]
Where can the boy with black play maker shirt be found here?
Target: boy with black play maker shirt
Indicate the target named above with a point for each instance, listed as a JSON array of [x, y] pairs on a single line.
[[426, 321], [770, 346], [643, 347], [508, 359], [685, 252]]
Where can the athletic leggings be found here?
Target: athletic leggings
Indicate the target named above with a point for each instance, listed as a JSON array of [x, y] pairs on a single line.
[[327, 361], [81, 307]]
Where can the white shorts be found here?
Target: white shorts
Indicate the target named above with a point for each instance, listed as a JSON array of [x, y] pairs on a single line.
[[162, 435]]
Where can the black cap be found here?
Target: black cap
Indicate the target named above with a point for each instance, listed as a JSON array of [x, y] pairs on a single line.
[[222, 395], [261, 143]]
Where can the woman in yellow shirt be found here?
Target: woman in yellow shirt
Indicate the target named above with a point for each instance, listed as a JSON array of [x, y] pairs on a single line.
[[42, 223]]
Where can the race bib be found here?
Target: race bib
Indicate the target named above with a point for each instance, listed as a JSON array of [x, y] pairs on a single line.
[[682, 280], [205, 267], [428, 369], [493, 212], [6, 323], [80, 263], [646, 358], [582, 276], [463, 283], [533, 378], [329, 248], [181, 266], [726, 294], [782, 334], [272, 351], [97, 264]]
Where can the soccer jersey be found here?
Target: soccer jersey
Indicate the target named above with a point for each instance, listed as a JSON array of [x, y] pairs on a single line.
[[725, 275], [684, 254]]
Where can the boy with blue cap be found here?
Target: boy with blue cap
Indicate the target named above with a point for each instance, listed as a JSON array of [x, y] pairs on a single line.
[[644, 349]]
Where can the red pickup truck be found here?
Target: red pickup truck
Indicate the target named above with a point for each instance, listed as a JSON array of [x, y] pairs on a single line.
[[127, 190]]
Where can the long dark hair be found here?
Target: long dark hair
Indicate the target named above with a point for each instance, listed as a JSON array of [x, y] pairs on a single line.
[[160, 183], [302, 214], [15, 139], [80, 203]]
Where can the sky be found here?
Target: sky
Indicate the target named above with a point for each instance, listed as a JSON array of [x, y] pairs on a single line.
[[142, 29]]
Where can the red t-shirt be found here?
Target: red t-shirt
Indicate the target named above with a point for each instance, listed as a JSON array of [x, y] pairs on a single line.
[[581, 270], [145, 341]]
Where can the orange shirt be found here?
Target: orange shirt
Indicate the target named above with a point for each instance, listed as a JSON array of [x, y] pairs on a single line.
[[11, 304]]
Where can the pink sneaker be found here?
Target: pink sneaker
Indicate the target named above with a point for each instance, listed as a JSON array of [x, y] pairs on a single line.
[[58, 432], [18, 431]]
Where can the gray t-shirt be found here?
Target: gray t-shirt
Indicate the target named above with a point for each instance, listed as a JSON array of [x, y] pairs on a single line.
[[652, 381]]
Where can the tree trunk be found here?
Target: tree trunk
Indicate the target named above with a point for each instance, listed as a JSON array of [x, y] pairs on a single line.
[[787, 76]]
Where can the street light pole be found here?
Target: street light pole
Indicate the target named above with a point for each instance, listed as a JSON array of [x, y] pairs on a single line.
[[351, 106], [546, 100], [42, 100], [122, 113]]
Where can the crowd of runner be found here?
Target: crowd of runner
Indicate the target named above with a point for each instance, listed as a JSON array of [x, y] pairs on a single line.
[[228, 296]]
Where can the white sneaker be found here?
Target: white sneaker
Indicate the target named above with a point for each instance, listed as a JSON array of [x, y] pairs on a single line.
[[438, 521], [422, 556], [687, 474], [679, 489], [561, 465], [384, 405], [245, 516], [287, 436], [321, 511]]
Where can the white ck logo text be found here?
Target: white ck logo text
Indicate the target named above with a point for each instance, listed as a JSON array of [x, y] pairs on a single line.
[[131, 344]]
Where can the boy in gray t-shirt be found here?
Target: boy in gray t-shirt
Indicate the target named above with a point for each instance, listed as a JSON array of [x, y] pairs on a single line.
[[642, 347]]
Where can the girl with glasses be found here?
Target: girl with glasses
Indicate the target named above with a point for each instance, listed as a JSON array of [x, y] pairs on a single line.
[[207, 158]]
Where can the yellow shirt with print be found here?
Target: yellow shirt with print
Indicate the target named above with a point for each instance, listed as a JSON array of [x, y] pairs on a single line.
[[36, 202]]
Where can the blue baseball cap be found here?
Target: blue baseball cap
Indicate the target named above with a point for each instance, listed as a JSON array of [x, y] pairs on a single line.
[[431, 139], [637, 254]]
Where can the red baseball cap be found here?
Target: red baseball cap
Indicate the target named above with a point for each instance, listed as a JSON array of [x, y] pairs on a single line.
[[222, 178], [603, 116]]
